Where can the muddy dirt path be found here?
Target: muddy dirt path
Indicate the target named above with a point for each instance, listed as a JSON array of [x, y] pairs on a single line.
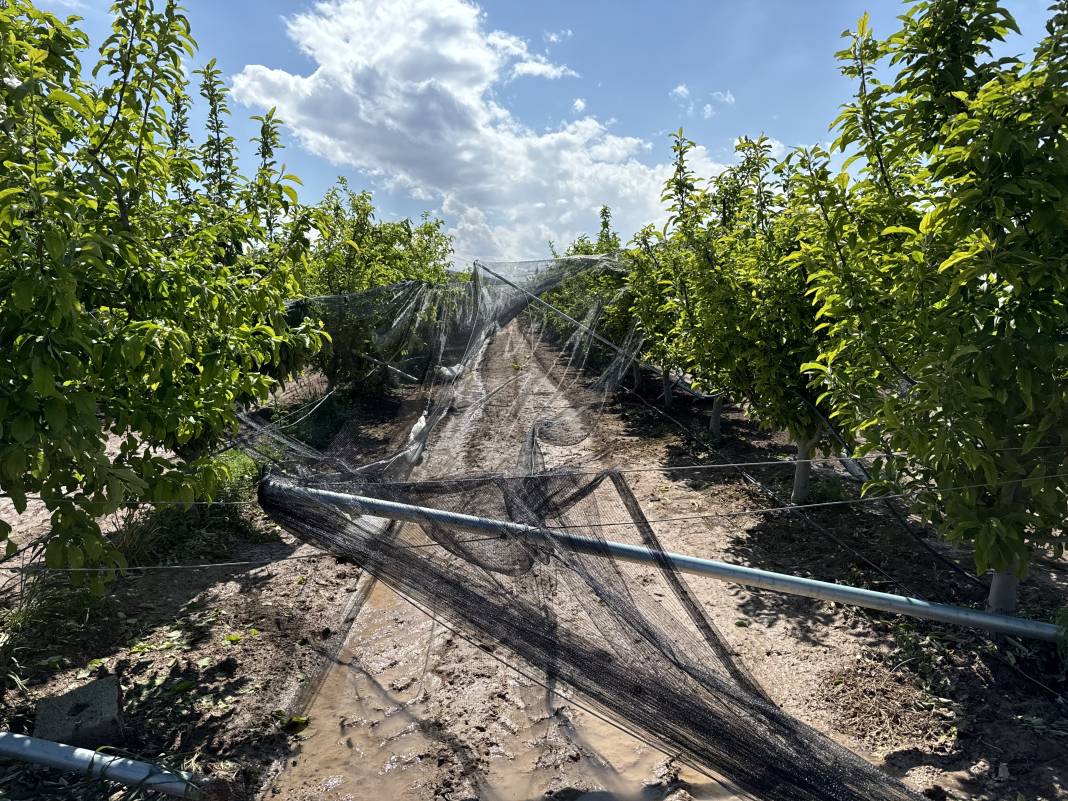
[[411, 710]]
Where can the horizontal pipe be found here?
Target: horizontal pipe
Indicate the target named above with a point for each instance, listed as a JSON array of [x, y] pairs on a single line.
[[738, 574], [94, 763]]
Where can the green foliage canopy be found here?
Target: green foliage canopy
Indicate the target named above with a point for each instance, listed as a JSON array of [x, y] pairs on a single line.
[[718, 292], [135, 312], [355, 252], [941, 269]]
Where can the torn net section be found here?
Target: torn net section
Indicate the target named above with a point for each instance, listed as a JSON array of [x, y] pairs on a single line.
[[510, 397]]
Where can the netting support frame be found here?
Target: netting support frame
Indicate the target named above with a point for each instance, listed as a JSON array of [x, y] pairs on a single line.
[[724, 571]]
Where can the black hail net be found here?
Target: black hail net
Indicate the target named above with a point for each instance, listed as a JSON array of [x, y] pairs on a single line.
[[629, 638]]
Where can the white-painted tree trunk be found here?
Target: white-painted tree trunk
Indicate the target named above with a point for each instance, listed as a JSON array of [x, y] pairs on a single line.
[[1003, 591], [1004, 583], [715, 421], [803, 469]]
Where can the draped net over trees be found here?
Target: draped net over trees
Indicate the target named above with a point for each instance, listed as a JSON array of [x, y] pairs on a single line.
[[582, 622]]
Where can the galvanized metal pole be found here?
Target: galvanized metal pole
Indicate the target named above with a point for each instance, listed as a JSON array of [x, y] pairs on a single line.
[[105, 766], [738, 574]]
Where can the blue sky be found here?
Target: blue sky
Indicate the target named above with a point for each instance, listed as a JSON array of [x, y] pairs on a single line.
[[513, 120]]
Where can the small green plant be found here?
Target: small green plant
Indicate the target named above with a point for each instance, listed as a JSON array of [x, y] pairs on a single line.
[[32, 619], [173, 639], [290, 724], [206, 530], [829, 488]]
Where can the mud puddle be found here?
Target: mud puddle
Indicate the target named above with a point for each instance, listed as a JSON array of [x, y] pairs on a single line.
[[413, 711]]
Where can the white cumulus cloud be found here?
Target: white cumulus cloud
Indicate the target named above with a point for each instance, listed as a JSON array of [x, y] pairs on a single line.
[[680, 92], [681, 95], [539, 66], [555, 37], [688, 101], [579, 105], [408, 91]]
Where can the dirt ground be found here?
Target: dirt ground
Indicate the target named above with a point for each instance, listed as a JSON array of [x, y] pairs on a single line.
[[221, 666]]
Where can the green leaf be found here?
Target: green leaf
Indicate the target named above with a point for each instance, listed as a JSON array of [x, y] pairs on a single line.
[[18, 498], [291, 724], [55, 244], [133, 352], [22, 293], [862, 24], [14, 462], [955, 259], [44, 383], [54, 553], [75, 556], [22, 428], [55, 412], [899, 229]]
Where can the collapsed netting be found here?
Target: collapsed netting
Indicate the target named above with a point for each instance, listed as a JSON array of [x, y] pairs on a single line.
[[631, 639]]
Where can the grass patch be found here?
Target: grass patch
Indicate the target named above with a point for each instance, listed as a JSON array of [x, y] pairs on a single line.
[[34, 614]]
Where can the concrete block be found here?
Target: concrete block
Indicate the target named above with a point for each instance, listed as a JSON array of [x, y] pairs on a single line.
[[88, 716]]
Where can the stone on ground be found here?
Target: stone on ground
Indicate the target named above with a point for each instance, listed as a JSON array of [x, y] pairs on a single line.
[[89, 716]]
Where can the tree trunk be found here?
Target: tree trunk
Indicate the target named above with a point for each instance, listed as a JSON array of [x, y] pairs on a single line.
[[1003, 586], [803, 468], [666, 376], [715, 421], [636, 375]]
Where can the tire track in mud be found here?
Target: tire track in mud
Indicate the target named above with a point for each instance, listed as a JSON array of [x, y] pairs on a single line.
[[410, 710]]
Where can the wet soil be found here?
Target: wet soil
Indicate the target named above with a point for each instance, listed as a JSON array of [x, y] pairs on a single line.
[[413, 710]]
